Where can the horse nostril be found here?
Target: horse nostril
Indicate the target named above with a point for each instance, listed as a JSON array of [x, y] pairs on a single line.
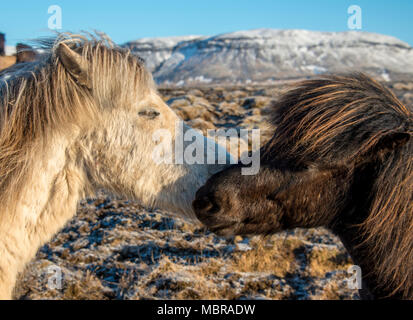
[[202, 204]]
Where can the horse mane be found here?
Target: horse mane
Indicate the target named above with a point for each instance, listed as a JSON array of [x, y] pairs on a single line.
[[40, 98], [338, 120]]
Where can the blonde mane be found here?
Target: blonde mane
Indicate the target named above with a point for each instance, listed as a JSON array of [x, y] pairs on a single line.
[[39, 98]]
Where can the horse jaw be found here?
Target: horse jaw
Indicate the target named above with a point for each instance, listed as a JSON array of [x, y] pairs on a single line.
[[118, 155], [186, 179], [173, 186]]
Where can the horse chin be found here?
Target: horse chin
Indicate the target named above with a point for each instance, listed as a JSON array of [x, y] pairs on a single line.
[[236, 228], [223, 229], [233, 222], [217, 221], [226, 232]]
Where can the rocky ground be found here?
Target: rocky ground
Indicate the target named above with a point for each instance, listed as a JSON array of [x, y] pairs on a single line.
[[115, 249]]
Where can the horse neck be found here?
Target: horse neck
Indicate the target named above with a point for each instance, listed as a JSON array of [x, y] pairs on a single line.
[[358, 250], [361, 244], [46, 202]]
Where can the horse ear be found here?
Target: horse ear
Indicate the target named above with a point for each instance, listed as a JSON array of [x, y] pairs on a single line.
[[74, 63], [392, 141]]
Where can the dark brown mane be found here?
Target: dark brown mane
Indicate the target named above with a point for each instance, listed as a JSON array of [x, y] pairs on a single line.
[[324, 118]]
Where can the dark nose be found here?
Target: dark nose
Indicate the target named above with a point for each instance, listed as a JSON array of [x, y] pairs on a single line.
[[205, 203], [202, 204]]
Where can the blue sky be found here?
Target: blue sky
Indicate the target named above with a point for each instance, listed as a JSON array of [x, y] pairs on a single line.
[[125, 20]]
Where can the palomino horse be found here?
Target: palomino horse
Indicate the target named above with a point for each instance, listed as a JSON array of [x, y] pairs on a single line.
[[82, 117], [341, 157]]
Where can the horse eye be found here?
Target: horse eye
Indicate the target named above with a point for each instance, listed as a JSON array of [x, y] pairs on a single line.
[[149, 113]]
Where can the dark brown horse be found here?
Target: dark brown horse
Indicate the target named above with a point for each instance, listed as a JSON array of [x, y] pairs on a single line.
[[340, 157]]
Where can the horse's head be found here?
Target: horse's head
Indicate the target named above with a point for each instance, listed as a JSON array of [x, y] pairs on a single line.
[[334, 140], [133, 145], [275, 199]]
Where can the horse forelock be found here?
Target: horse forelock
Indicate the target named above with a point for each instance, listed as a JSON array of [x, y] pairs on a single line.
[[336, 117], [39, 98]]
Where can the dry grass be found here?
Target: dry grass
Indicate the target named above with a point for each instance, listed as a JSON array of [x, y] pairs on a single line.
[[324, 260], [276, 257], [89, 287], [150, 256]]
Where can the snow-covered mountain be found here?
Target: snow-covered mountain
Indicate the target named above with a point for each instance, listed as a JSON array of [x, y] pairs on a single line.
[[265, 55]]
